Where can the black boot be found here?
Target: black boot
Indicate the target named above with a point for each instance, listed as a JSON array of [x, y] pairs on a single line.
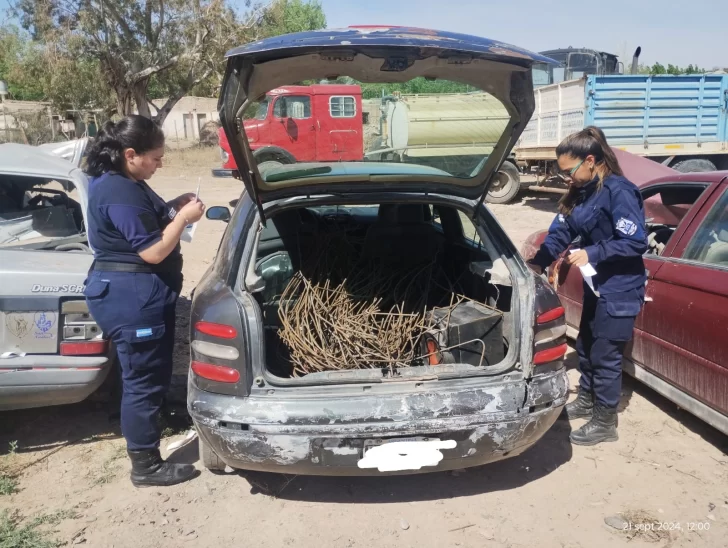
[[602, 427], [580, 408], [148, 469]]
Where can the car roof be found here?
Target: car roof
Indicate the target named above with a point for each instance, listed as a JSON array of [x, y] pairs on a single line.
[[29, 160], [697, 177], [384, 35]]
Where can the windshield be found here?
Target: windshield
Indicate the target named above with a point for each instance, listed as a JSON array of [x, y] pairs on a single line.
[[541, 74], [581, 64], [422, 126], [38, 213]]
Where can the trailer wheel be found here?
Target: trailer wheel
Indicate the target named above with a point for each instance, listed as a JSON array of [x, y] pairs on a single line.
[[694, 166], [209, 458], [506, 184]]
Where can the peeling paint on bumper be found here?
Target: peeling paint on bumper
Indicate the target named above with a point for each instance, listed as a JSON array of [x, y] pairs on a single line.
[[486, 430]]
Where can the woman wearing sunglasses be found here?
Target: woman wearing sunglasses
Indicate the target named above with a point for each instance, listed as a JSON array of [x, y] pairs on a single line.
[[604, 211]]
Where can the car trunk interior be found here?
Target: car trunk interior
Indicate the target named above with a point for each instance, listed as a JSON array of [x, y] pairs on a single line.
[[392, 289]]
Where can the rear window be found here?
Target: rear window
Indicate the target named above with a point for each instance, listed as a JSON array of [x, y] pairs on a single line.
[[38, 213], [427, 127], [342, 107], [668, 204]]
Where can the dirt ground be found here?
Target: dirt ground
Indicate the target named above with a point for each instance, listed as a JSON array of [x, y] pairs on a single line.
[[667, 476]]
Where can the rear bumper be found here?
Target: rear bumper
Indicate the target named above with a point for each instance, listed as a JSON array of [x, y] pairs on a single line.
[[317, 439], [40, 381]]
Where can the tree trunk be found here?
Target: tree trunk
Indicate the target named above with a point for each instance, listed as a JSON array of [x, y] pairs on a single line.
[[140, 98], [123, 101]]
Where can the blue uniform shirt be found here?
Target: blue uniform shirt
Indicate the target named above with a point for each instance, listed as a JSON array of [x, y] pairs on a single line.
[[611, 226], [126, 217]]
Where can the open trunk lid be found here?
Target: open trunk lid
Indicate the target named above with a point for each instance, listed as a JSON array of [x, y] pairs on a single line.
[[450, 143]]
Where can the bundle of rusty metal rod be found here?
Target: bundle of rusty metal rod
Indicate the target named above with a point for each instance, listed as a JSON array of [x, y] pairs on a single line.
[[326, 329], [345, 312]]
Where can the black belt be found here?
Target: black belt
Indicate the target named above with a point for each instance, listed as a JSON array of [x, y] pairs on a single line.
[[109, 266]]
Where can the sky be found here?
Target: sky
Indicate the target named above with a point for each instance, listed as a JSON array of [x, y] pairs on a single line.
[[678, 32]]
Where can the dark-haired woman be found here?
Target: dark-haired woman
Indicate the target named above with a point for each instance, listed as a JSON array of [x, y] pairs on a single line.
[[135, 280], [605, 211]]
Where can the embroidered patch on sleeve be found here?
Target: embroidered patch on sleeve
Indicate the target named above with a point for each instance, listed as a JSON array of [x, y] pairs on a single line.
[[625, 226]]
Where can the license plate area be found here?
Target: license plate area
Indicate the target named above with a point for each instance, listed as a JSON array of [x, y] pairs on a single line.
[[32, 332], [403, 454], [378, 442]]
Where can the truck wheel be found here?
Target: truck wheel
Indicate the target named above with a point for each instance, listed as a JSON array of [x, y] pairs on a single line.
[[694, 166], [506, 184], [209, 458]]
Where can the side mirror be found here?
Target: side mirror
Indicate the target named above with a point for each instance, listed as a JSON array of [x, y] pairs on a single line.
[[218, 213]]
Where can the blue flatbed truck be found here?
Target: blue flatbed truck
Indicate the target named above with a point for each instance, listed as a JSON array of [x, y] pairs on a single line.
[[679, 121]]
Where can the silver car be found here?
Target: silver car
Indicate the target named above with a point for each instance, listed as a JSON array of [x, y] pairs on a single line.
[[51, 350], [286, 374]]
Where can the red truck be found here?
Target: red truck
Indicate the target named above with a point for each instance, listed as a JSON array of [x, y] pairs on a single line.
[[318, 123]]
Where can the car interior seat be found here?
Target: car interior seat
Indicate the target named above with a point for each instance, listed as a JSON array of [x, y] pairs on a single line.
[[404, 232], [718, 250]]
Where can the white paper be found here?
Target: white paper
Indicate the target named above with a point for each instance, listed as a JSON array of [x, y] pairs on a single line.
[[8, 355], [188, 233], [587, 271]]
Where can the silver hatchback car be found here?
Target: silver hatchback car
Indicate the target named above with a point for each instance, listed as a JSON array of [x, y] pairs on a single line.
[[295, 365]]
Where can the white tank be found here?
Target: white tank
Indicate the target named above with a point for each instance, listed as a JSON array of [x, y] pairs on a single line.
[[445, 124]]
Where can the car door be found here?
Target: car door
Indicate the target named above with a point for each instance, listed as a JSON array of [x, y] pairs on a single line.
[[683, 332], [668, 207], [293, 127]]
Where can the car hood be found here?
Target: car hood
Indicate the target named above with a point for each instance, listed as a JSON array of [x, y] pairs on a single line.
[[377, 55]]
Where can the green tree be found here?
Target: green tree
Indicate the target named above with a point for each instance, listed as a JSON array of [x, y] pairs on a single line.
[[161, 48], [56, 72], [20, 65]]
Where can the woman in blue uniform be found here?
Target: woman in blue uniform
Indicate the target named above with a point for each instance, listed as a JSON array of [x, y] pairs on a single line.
[[135, 280], [605, 212]]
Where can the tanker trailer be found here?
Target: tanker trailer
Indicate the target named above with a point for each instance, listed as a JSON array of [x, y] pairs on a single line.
[[449, 131]]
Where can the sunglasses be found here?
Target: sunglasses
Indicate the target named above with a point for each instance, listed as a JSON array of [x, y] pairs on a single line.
[[568, 174]]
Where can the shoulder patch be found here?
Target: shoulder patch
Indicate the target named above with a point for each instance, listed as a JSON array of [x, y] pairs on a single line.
[[561, 218], [625, 226]]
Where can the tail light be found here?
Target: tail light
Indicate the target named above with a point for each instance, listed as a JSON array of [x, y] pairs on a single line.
[[218, 330], [90, 348], [82, 336], [217, 373], [549, 329], [217, 363], [224, 156]]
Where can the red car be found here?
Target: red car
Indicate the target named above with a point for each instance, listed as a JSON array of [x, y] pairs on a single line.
[[680, 345]]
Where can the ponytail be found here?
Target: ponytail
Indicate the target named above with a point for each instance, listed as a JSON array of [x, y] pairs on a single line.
[[107, 150], [590, 141]]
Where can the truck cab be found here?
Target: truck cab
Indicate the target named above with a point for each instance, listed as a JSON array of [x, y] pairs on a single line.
[[575, 63], [317, 123]]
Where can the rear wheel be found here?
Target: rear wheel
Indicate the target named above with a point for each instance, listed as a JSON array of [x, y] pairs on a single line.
[[694, 166], [506, 184], [209, 458]]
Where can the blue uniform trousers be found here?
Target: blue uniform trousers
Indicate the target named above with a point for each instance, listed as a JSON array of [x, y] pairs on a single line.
[[606, 326], [137, 312]]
